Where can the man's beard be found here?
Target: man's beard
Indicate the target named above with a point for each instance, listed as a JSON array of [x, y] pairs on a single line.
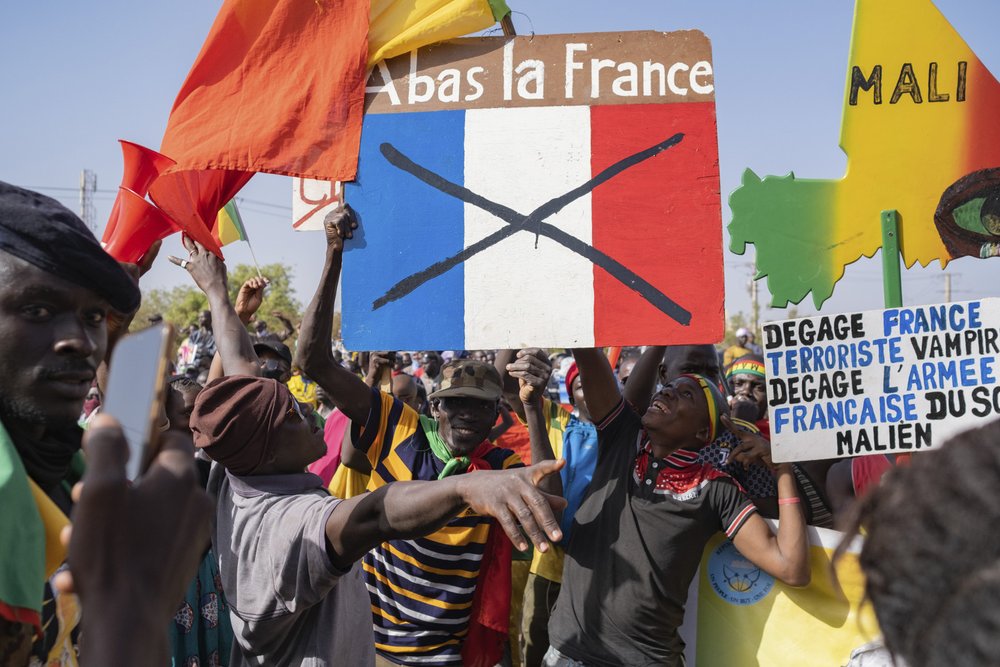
[[20, 410]]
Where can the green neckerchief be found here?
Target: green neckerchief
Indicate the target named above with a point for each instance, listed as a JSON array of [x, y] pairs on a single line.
[[22, 540], [453, 465]]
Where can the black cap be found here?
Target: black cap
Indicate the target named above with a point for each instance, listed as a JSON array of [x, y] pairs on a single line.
[[46, 234], [274, 346]]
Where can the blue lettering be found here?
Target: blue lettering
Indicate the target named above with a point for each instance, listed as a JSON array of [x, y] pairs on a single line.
[[890, 319], [798, 418], [867, 412], [895, 354], [974, 321], [835, 414], [775, 359], [887, 386], [780, 419], [986, 375]]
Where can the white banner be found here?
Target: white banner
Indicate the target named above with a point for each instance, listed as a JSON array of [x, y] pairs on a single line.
[[883, 381]]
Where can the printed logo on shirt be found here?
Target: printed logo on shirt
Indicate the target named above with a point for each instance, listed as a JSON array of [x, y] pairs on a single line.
[[735, 579]]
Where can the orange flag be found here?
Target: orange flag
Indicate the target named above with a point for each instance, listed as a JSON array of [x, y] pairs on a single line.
[[259, 96]]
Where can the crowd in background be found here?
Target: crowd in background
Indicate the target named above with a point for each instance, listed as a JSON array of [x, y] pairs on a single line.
[[314, 506]]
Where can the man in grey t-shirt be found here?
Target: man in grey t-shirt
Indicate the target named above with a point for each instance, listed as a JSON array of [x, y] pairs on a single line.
[[291, 604], [287, 550]]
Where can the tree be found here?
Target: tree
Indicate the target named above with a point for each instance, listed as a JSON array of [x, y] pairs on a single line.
[[278, 297], [181, 305]]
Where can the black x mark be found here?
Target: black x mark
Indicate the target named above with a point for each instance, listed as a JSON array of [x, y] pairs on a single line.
[[517, 222]]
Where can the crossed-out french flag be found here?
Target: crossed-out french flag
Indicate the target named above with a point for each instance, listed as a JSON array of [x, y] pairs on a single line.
[[434, 185]]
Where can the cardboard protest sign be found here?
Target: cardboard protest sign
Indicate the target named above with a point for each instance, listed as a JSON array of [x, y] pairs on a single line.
[[920, 133], [881, 382], [777, 625], [555, 190], [311, 201]]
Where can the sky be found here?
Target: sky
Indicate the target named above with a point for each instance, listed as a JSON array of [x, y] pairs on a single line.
[[79, 76]]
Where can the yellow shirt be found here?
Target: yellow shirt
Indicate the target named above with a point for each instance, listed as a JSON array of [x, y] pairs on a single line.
[[550, 563], [304, 390]]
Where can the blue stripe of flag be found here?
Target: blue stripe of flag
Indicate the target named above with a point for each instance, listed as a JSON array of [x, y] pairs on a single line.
[[388, 199]]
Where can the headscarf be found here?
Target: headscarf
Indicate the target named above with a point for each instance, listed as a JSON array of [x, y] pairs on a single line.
[[234, 419], [748, 365], [571, 373], [717, 405], [46, 234]]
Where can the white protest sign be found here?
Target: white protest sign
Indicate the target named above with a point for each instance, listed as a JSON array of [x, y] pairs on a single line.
[[311, 201], [881, 382]]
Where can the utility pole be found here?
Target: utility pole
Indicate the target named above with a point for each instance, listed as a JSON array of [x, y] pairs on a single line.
[[88, 186], [947, 288], [754, 303]]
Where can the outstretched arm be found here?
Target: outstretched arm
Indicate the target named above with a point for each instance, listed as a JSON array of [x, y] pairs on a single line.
[[404, 510], [532, 369], [785, 556], [600, 388], [248, 300], [642, 381], [289, 329], [231, 338], [314, 354], [510, 384]]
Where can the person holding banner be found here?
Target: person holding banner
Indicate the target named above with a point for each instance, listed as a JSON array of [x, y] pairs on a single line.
[[638, 537], [441, 597]]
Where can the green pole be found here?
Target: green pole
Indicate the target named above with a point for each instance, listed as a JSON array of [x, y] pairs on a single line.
[[892, 282]]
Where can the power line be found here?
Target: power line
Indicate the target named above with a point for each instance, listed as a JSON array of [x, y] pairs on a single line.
[[239, 200]]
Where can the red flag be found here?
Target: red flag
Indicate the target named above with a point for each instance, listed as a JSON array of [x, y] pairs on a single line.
[[140, 224], [192, 199], [278, 87], [142, 166]]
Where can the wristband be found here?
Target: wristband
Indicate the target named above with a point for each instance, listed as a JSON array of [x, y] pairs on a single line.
[[794, 500]]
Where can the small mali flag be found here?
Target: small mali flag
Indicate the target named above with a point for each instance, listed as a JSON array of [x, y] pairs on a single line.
[[229, 225]]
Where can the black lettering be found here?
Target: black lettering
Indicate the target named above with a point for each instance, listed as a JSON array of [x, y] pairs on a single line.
[[932, 92], [981, 402], [906, 85], [772, 336], [858, 80], [777, 393], [923, 435], [960, 89], [845, 443], [938, 405]]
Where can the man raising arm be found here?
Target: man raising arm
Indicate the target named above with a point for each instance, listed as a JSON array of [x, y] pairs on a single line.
[[638, 537]]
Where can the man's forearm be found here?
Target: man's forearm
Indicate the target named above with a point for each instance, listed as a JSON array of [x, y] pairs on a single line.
[[600, 388], [314, 355], [541, 447], [510, 386], [792, 539], [397, 511], [642, 381], [231, 338]]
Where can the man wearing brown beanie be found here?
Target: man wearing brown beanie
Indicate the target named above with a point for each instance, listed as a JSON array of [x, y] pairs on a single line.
[[286, 548]]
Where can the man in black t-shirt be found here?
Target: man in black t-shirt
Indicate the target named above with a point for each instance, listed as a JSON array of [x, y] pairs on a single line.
[[650, 509]]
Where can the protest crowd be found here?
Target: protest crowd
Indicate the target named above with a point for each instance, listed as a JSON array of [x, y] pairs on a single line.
[[435, 507]]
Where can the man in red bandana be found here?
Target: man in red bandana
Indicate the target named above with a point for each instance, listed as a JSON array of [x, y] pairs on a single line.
[[650, 509]]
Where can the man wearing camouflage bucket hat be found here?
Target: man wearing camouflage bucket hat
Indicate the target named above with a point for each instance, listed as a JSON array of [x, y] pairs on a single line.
[[427, 605]]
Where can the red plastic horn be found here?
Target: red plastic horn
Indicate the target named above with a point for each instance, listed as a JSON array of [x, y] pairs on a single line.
[[140, 224], [142, 167]]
